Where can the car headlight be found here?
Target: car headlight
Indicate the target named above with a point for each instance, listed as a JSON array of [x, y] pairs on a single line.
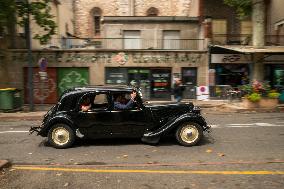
[[196, 109]]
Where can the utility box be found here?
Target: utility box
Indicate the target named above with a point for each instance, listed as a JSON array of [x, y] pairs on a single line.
[[10, 98]]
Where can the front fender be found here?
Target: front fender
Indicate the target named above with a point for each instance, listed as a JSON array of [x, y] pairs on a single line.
[[173, 123], [54, 120]]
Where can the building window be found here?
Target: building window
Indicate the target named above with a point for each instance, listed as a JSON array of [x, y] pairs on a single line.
[[246, 32], [152, 12], [171, 39], [97, 13], [219, 31], [132, 39]]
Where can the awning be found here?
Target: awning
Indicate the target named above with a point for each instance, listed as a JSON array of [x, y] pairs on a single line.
[[251, 49]]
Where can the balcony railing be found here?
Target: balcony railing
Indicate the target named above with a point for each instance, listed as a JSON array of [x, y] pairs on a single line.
[[274, 40], [245, 39], [127, 43], [232, 39]]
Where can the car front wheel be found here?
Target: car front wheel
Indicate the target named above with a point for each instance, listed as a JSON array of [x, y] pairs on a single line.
[[61, 136], [189, 134]]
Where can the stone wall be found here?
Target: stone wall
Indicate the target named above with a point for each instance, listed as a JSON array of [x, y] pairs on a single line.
[[218, 10], [83, 10], [14, 62]]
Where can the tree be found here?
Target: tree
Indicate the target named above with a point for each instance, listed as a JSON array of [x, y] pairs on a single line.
[[17, 12], [256, 9]]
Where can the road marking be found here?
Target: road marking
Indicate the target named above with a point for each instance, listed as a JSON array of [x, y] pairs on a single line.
[[3, 132], [246, 125], [89, 170]]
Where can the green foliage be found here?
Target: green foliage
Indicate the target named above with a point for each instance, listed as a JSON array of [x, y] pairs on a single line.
[[38, 10], [273, 95], [7, 10], [243, 7], [254, 97], [256, 90]]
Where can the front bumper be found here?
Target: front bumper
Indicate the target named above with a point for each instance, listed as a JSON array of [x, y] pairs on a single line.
[[35, 129]]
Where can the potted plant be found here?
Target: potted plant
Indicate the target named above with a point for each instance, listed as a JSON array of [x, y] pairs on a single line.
[[259, 95]]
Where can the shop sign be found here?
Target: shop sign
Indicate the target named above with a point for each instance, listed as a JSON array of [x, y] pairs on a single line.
[[111, 57], [167, 58], [230, 58]]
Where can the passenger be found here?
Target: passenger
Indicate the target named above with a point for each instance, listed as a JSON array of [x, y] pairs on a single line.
[[120, 99], [86, 105]]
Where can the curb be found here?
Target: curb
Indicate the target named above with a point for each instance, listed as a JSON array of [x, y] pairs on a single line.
[[4, 164]]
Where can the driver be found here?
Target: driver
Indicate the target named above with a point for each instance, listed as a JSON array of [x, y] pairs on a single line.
[[118, 102]]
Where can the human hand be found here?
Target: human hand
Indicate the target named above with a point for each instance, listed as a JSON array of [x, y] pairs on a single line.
[[85, 108]]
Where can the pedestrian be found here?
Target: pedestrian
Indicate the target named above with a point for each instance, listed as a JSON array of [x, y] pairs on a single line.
[[178, 90]]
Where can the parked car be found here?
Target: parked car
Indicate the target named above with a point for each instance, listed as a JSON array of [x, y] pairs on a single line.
[[68, 120]]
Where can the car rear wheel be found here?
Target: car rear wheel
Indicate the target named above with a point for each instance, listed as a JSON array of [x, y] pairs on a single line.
[[189, 134], [61, 136]]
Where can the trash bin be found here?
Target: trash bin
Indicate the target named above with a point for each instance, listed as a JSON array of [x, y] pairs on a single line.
[[10, 98]]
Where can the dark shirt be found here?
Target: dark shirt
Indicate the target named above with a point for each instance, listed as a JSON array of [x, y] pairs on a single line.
[[178, 90], [120, 106]]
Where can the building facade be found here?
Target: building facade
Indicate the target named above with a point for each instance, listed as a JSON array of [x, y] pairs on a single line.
[[233, 60], [147, 44]]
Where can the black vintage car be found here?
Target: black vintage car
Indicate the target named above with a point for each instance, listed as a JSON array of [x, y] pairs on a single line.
[[66, 121]]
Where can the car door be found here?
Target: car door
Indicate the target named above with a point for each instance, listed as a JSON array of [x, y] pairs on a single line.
[[97, 121], [129, 122]]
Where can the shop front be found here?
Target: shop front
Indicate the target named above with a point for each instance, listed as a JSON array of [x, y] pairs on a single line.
[[231, 71], [155, 83], [153, 71], [274, 71]]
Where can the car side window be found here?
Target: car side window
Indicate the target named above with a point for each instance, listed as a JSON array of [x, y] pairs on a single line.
[[100, 102], [122, 101]]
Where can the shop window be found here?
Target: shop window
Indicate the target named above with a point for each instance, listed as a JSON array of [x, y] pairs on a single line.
[[97, 13], [189, 76], [160, 83], [152, 11], [171, 39], [116, 76], [132, 39]]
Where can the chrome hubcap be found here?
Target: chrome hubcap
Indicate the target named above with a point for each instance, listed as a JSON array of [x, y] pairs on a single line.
[[60, 136], [189, 133]]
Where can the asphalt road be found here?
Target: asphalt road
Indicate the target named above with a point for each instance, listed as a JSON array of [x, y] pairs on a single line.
[[244, 150]]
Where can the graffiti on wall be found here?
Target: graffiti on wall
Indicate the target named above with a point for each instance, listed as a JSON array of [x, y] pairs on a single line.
[[72, 79], [43, 87]]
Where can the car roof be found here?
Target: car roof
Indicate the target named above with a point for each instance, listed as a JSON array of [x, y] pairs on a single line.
[[105, 88], [97, 88]]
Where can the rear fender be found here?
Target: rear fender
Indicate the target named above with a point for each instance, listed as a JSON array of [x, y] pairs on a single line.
[[55, 120], [172, 124]]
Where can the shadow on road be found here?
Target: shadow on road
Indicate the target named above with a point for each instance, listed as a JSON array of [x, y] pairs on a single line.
[[164, 141]]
